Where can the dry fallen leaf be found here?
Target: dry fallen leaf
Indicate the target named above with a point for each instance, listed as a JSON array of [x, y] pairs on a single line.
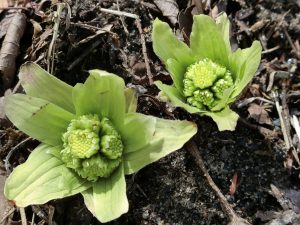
[[259, 114], [294, 197], [4, 205], [4, 23], [185, 20], [10, 48], [279, 218], [169, 8], [258, 25], [233, 185]]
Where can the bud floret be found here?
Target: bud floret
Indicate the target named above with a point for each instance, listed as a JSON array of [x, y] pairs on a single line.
[[90, 122], [111, 146], [69, 159], [192, 101], [203, 73], [98, 166], [82, 143], [92, 148], [111, 143], [188, 87], [206, 97], [221, 85], [205, 82], [82, 136]]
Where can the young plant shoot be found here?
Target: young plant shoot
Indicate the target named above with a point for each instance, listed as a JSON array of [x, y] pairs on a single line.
[[91, 138], [207, 75]]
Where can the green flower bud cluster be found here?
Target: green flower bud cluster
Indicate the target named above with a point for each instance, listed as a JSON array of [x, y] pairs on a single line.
[[91, 147], [205, 82]]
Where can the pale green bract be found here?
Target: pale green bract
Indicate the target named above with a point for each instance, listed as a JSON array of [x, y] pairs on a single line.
[[207, 76], [91, 138]]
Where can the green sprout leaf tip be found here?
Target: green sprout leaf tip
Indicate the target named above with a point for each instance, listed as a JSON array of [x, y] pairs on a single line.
[[207, 76]]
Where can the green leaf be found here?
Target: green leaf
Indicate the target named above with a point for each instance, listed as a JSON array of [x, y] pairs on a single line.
[[243, 64], [222, 103], [131, 100], [169, 136], [177, 72], [225, 119], [102, 94], [137, 131], [176, 98], [107, 198], [206, 40], [223, 24], [38, 118], [167, 46], [41, 178], [39, 83]]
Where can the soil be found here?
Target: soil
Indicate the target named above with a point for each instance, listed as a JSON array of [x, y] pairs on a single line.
[[173, 190]]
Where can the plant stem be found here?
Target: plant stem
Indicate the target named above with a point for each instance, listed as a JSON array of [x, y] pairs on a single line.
[[227, 208]]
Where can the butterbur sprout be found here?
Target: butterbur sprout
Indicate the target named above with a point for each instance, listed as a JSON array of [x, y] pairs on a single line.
[[207, 76], [91, 137]]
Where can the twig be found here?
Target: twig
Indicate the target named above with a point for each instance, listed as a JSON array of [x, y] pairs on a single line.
[[23, 216], [7, 164], [15, 8], [144, 50], [270, 50], [32, 218], [291, 42], [104, 30], [122, 19], [250, 125], [227, 208], [286, 117], [50, 217], [51, 51], [90, 27], [285, 111], [285, 128], [39, 212], [269, 134], [249, 100], [282, 122], [143, 42], [119, 13], [7, 214], [296, 125], [271, 81], [141, 190], [18, 85], [84, 54], [293, 94]]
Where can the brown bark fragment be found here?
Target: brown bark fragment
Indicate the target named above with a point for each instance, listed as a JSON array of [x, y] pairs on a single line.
[[10, 49]]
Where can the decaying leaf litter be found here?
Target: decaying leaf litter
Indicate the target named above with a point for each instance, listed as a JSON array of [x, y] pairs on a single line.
[[115, 36]]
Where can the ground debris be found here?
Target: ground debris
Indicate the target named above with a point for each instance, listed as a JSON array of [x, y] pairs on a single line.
[[279, 218], [259, 114], [10, 49], [169, 8]]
